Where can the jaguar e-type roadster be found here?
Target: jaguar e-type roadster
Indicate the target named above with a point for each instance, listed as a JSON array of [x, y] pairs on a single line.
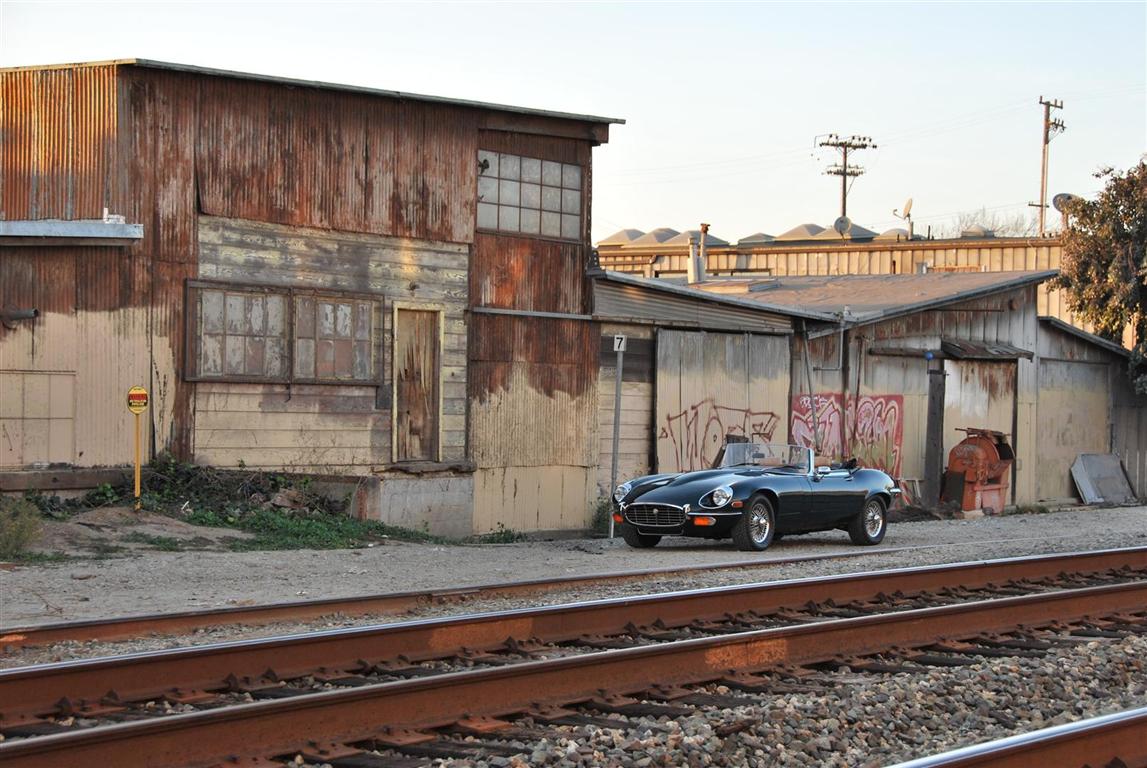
[[755, 493]]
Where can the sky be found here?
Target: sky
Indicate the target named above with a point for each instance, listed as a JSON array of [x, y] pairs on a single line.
[[723, 102]]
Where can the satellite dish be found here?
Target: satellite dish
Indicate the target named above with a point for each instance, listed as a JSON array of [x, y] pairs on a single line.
[[908, 208], [842, 225], [1061, 201]]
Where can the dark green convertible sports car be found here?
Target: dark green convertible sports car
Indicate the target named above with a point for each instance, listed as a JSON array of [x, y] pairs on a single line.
[[755, 493]]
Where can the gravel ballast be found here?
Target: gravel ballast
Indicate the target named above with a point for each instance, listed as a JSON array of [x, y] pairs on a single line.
[[154, 582]]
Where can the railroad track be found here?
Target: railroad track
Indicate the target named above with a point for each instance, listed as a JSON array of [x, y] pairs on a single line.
[[387, 604], [459, 687]]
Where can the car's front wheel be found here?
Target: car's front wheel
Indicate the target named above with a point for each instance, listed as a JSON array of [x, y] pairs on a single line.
[[869, 526], [757, 526], [637, 539]]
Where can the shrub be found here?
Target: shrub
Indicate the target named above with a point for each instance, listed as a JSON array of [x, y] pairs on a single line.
[[19, 526]]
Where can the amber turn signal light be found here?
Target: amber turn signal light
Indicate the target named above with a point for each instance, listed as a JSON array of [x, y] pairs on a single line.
[[737, 504], [703, 521], [618, 518]]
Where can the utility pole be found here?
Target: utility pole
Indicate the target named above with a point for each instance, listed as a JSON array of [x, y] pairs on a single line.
[[1051, 129], [843, 169]]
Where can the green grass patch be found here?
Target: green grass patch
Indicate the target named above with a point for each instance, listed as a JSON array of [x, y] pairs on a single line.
[[276, 529], [41, 558]]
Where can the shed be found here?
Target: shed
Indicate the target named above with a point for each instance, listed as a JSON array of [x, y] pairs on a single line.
[[905, 361]]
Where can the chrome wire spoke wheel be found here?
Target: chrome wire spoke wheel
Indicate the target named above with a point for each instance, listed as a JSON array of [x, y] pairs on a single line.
[[873, 519], [759, 523]]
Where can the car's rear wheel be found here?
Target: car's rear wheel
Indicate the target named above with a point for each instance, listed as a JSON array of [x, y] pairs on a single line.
[[757, 526], [868, 527], [636, 539]]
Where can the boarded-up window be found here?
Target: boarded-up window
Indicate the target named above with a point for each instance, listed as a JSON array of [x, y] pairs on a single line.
[[416, 375], [333, 339], [248, 333], [529, 196], [241, 334]]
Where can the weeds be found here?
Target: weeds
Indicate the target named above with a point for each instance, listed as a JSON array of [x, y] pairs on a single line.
[[162, 543], [502, 535], [602, 512], [19, 526]]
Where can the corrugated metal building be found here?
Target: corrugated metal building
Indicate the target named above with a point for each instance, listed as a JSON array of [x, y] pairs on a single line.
[[884, 368], [308, 277]]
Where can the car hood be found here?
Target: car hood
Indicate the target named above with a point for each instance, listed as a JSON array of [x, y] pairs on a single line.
[[688, 487]]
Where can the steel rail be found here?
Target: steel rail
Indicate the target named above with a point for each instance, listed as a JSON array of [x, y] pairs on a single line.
[[34, 690], [127, 627], [286, 726], [1098, 741]]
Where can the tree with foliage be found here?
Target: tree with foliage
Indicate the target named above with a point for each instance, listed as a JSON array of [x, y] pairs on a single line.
[[1104, 268]]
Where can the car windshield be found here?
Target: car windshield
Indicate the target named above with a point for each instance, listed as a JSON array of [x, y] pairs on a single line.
[[770, 455]]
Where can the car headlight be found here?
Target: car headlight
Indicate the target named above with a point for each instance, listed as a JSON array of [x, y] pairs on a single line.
[[621, 491], [722, 495]]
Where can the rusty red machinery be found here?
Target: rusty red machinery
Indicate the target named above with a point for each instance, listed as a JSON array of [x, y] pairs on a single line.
[[978, 471]]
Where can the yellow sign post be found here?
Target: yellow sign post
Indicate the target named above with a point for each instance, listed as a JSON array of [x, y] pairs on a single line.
[[137, 401]]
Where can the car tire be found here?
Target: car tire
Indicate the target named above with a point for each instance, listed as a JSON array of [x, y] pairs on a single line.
[[636, 539], [755, 530], [868, 527]]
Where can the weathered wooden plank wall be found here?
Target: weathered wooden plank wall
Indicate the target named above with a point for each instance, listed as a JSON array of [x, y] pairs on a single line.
[[353, 430], [636, 440], [710, 385]]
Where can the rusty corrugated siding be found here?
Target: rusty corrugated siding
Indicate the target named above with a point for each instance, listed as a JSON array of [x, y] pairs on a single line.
[[57, 142], [527, 273], [336, 161]]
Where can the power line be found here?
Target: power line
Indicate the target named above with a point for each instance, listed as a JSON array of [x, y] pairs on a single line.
[[842, 168]]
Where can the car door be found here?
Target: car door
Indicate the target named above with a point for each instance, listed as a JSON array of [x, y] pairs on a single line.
[[834, 497]]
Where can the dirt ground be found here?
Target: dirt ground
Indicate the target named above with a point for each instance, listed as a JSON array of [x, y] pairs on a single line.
[[115, 572]]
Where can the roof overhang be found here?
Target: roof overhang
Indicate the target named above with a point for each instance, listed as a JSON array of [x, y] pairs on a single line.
[[35, 232], [1090, 338], [654, 284], [322, 85]]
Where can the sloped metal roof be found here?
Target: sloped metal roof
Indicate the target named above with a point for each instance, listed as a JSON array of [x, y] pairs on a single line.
[[757, 238], [870, 298], [321, 85], [621, 237], [683, 238], [802, 232], [656, 236], [855, 232]]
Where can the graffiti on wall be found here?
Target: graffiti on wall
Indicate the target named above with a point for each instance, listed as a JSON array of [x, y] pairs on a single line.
[[692, 438], [873, 425]]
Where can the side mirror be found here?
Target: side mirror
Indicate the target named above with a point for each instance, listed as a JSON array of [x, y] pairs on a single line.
[[823, 470]]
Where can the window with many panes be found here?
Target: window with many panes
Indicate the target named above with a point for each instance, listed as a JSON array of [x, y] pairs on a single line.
[[529, 196], [250, 333]]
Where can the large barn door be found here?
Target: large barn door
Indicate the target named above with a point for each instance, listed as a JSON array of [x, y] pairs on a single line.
[[710, 385]]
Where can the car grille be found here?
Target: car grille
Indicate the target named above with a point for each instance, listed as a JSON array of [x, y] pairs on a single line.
[[655, 515]]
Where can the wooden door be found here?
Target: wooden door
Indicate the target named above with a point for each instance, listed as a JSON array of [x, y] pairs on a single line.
[[416, 385]]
